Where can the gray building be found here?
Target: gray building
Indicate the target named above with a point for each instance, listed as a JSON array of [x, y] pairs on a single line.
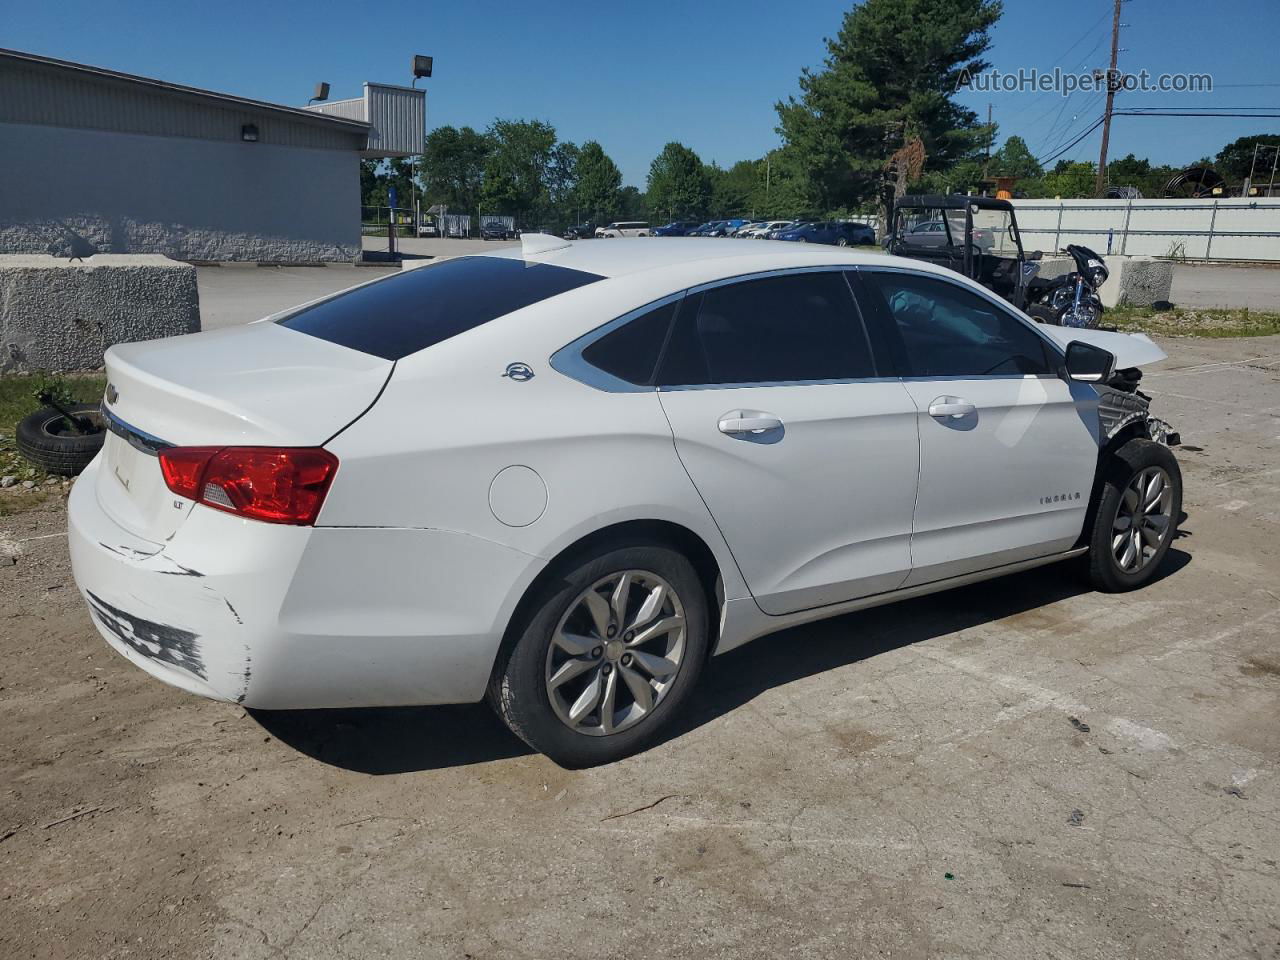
[[92, 159]]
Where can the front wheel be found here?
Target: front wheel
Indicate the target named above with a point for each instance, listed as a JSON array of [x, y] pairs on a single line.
[[1136, 518], [606, 656], [842, 242]]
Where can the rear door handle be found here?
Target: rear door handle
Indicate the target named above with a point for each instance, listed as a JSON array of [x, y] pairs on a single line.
[[953, 407], [740, 422]]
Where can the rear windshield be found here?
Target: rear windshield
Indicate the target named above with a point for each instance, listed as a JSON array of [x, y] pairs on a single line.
[[421, 307]]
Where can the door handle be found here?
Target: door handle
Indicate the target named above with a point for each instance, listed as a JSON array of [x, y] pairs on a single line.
[[741, 422], [953, 407]]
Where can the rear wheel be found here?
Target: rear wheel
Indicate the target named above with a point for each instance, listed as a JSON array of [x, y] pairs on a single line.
[[842, 242], [607, 655], [1136, 518]]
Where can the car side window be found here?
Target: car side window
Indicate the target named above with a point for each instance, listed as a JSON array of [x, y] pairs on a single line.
[[631, 351], [948, 331], [788, 328]]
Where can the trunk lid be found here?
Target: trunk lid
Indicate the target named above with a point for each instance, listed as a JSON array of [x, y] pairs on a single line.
[[256, 385]]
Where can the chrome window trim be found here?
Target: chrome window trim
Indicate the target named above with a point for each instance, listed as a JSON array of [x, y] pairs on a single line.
[[776, 272], [677, 388], [991, 298]]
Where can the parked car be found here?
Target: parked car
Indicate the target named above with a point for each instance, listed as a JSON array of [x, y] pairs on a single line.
[[428, 228], [763, 229], [581, 231], [933, 233], [676, 228], [704, 230], [637, 469], [625, 228], [496, 230], [836, 232], [793, 225], [724, 228]]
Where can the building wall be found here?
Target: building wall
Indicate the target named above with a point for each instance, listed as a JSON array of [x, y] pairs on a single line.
[[1226, 229], [187, 198], [60, 97]]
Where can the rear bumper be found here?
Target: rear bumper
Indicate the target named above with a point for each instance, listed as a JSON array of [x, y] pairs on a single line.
[[280, 617]]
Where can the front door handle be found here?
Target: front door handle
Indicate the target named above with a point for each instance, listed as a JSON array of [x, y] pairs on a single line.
[[740, 422], [953, 407]]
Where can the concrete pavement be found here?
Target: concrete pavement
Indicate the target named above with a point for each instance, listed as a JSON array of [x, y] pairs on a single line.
[[1023, 768]]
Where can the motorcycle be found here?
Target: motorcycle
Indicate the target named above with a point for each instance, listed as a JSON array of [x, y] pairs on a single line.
[[1070, 300]]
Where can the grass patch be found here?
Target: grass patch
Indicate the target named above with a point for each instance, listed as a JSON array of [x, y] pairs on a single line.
[[1193, 322], [17, 399]]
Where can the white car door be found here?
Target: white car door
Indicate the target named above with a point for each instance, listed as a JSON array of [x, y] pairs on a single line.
[[806, 458], [1008, 448]]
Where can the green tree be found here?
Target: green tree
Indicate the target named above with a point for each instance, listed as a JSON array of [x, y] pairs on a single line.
[[1015, 160], [890, 73], [373, 191], [1236, 158], [733, 191], [562, 176], [963, 177], [678, 184], [1070, 180], [452, 167], [598, 182], [632, 204], [783, 186], [517, 168]]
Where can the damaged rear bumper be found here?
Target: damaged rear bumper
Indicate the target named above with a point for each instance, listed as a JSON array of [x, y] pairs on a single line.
[[283, 617]]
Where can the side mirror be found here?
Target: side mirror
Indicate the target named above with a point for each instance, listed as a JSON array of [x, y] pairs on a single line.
[[1088, 363]]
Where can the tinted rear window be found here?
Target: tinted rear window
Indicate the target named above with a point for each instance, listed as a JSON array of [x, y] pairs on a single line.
[[421, 307]]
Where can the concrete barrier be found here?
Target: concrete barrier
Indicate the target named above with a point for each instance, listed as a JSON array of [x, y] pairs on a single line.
[[1133, 281], [63, 315]]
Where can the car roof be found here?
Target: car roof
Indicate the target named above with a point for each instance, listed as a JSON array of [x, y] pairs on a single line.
[[713, 257]]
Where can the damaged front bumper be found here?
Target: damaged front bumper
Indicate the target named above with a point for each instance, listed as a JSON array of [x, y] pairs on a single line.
[[1119, 409]]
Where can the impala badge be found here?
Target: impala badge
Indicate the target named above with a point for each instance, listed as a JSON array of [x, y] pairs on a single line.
[[519, 372]]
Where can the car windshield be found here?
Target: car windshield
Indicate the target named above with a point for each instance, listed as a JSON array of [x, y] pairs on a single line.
[[411, 311]]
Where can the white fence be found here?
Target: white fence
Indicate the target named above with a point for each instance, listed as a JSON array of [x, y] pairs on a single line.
[[1231, 229]]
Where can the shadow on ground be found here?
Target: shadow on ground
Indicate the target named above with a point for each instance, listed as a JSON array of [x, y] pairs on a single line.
[[406, 739]]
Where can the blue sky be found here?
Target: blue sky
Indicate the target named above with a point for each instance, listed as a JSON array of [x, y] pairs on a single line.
[[635, 75]]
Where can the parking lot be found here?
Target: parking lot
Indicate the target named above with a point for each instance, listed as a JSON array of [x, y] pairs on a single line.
[[1018, 769]]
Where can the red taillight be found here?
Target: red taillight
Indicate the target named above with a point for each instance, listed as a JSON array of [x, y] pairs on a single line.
[[275, 484]]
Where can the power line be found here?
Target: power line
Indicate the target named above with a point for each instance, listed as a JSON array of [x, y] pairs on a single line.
[[1061, 57], [1196, 113], [1069, 130], [1092, 127]]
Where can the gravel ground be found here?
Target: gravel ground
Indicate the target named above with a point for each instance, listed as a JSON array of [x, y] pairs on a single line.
[[1017, 769]]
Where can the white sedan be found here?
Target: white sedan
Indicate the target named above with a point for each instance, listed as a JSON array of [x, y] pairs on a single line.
[[563, 476]]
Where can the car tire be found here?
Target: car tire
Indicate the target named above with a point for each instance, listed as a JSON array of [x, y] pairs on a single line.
[[550, 717], [1135, 518], [44, 440], [842, 242]]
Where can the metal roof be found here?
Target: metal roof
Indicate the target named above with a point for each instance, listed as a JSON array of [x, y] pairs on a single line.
[[209, 97]]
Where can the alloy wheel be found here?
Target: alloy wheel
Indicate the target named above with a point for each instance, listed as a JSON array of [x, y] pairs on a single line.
[[1143, 519], [616, 653]]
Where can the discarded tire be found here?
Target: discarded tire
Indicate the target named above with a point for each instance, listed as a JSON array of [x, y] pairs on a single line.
[[49, 442]]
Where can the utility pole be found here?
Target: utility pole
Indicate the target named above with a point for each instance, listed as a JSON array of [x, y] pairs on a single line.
[[1112, 82]]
